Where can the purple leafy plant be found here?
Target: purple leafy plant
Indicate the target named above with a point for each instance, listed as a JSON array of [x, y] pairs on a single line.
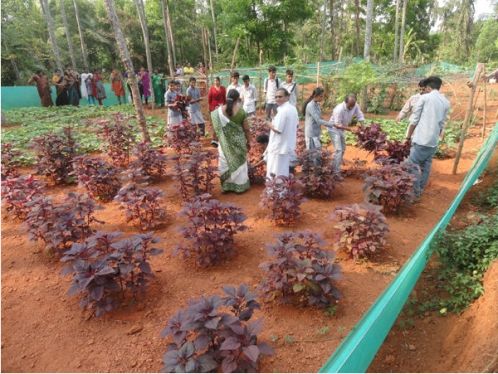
[[55, 155], [300, 271], [283, 197], [100, 179], [182, 137], [108, 269], [195, 173], [391, 186], [61, 225], [149, 163], [371, 138], [317, 174], [10, 161], [19, 192], [213, 334], [142, 205], [393, 152], [362, 229], [211, 228], [118, 134]]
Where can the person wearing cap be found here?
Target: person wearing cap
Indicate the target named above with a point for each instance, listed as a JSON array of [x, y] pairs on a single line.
[[249, 96], [291, 86], [234, 82], [271, 85], [174, 113], [426, 126]]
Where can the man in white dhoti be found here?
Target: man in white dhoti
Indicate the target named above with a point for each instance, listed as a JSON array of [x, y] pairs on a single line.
[[283, 134]]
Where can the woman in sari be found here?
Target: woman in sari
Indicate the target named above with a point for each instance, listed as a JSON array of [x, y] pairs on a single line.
[[61, 88], [98, 88], [73, 92], [43, 87], [159, 88], [145, 79], [117, 86], [232, 131]]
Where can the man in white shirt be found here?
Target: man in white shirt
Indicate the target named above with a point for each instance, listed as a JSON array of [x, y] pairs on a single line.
[[249, 96], [407, 109], [234, 82], [426, 125], [290, 86], [282, 143], [271, 84], [342, 116]]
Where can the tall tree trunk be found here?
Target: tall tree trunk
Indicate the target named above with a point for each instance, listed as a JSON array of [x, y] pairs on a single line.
[[323, 22], [128, 64], [68, 35], [232, 65], [332, 30], [145, 32], [357, 26], [214, 30], [82, 41], [366, 49], [170, 31], [51, 34], [204, 48], [396, 31], [209, 51], [171, 65], [402, 34]]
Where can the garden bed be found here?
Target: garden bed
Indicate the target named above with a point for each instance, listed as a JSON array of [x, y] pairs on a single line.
[[45, 330]]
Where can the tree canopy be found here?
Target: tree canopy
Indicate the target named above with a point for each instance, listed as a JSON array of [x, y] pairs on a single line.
[[275, 31]]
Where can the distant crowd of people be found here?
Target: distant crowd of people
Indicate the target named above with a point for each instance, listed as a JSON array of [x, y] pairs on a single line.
[[231, 108]]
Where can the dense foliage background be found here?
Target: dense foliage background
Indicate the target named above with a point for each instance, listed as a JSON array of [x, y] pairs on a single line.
[[267, 31]]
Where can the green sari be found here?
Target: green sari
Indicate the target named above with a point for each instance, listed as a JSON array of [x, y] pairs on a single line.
[[232, 150]]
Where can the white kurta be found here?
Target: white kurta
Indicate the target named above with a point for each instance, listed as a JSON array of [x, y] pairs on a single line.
[[84, 91], [282, 146]]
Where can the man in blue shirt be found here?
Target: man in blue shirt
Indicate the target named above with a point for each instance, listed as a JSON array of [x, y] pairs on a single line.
[[426, 126]]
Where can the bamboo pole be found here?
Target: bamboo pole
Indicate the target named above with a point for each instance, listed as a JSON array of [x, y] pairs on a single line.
[[468, 115]]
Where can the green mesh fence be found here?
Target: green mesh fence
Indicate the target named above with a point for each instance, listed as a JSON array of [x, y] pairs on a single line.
[[27, 96]]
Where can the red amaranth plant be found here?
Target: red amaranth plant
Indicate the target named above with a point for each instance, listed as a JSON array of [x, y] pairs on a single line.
[[362, 229], [195, 173], [142, 206], [100, 179], [149, 163], [317, 174], [118, 134], [371, 138], [182, 137], [211, 228], [19, 192], [213, 335], [301, 271], [393, 152], [391, 186], [55, 155], [10, 161], [106, 269], [283, 197]]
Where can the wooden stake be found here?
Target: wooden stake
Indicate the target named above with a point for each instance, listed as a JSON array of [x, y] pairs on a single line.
[[483, 131], [468, 115]]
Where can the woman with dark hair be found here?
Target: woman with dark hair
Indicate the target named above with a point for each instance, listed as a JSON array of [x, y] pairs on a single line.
[[43, 87], [98, 89], [313, 119], [232, 131], [61, 88], [216, 95]]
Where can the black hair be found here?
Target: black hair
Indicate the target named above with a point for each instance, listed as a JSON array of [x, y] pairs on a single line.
[[284, 91], [289, 72], [263, 138], [245, 77], [192, 79], [349, 96], [217, 79], [235, 74], [232, 97], [316, 92], [171, 82], [434, 82], [272, 68], [422, 83]]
